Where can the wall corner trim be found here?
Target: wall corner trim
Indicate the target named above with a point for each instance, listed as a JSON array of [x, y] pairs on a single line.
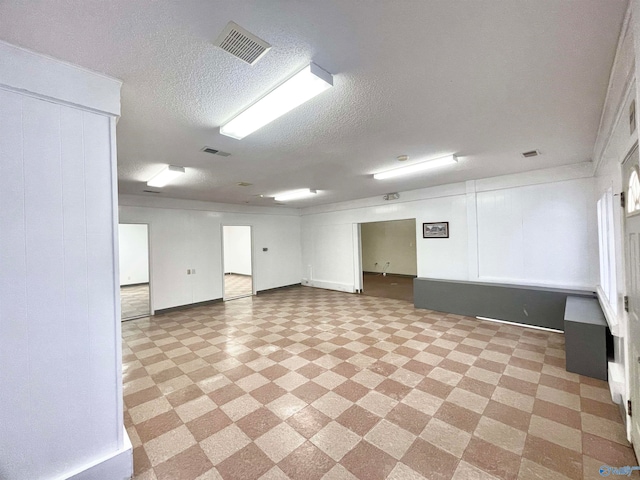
[[616, 92]]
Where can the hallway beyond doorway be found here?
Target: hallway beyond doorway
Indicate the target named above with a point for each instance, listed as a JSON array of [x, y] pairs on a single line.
[[134, 300], [399, 287], [236, 286]]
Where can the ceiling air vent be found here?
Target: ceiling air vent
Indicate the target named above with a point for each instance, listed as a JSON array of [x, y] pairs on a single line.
[[241, 44], [214, 151], [150, 191], [244, 184], [531, 153]]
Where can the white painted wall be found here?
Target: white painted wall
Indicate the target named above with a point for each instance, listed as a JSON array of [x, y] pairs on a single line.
[[539, 234], [133, 242], [393, 242], [187, 235], [328, 240], [497, 231], [237, 249], [60, 340]]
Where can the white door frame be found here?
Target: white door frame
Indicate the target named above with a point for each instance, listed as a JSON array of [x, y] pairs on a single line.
[[357, 255], [357, 259], [253, 268], [632, 345]]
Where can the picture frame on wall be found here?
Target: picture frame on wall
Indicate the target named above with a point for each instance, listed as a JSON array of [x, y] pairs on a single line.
[[435, 230]]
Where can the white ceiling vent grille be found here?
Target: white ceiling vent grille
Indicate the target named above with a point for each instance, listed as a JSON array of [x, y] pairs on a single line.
[[241, 44], [531, 153], [214, 151]]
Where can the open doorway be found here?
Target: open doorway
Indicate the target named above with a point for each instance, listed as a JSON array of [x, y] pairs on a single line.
[[389, 261], [134, 270], [237, 261]]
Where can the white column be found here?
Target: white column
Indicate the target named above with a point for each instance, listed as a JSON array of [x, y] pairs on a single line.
[[61, 406]]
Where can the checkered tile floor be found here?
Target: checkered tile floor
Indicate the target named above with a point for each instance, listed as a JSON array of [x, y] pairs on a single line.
[[134, 301], [237, 286], [306, 384]]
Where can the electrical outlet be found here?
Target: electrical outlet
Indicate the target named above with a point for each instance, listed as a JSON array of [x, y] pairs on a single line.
[[193, 271], [188, 271]]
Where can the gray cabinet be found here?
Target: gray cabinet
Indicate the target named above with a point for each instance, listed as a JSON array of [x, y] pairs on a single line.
[[585, 333]]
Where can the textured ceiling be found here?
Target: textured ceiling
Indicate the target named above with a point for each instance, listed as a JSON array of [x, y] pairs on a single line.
[[483, 79]]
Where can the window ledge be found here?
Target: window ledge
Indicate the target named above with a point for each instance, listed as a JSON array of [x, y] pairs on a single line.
[[610, 315]]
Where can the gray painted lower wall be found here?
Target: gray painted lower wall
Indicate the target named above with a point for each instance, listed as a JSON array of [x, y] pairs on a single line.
[[542, 307]]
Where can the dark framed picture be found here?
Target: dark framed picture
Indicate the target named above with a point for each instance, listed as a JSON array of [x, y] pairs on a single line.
[[435, 230]]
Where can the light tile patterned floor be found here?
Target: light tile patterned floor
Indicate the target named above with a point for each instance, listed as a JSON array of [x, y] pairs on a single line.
[[305, 383], [237, 285], [134, 301]]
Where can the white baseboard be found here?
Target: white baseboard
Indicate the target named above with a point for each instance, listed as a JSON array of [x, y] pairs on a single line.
[[116, 466], [616, 383], [341, 287]]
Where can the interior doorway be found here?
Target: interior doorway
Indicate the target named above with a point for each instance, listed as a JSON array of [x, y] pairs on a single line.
[[389, 260], [135, 291], [237, 261]]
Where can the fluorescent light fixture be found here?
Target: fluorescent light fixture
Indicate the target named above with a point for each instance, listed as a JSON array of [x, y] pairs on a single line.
[[295, 195], [416, 167], [302, 86], [534, 327], [168, 174]]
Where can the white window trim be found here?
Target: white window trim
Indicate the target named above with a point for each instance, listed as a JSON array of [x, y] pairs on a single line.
[[607, 289]]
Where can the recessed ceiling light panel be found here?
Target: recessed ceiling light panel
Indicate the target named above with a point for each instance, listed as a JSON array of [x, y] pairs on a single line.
[[416, 167], [295, 195], [301, 87], [167, 175]]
